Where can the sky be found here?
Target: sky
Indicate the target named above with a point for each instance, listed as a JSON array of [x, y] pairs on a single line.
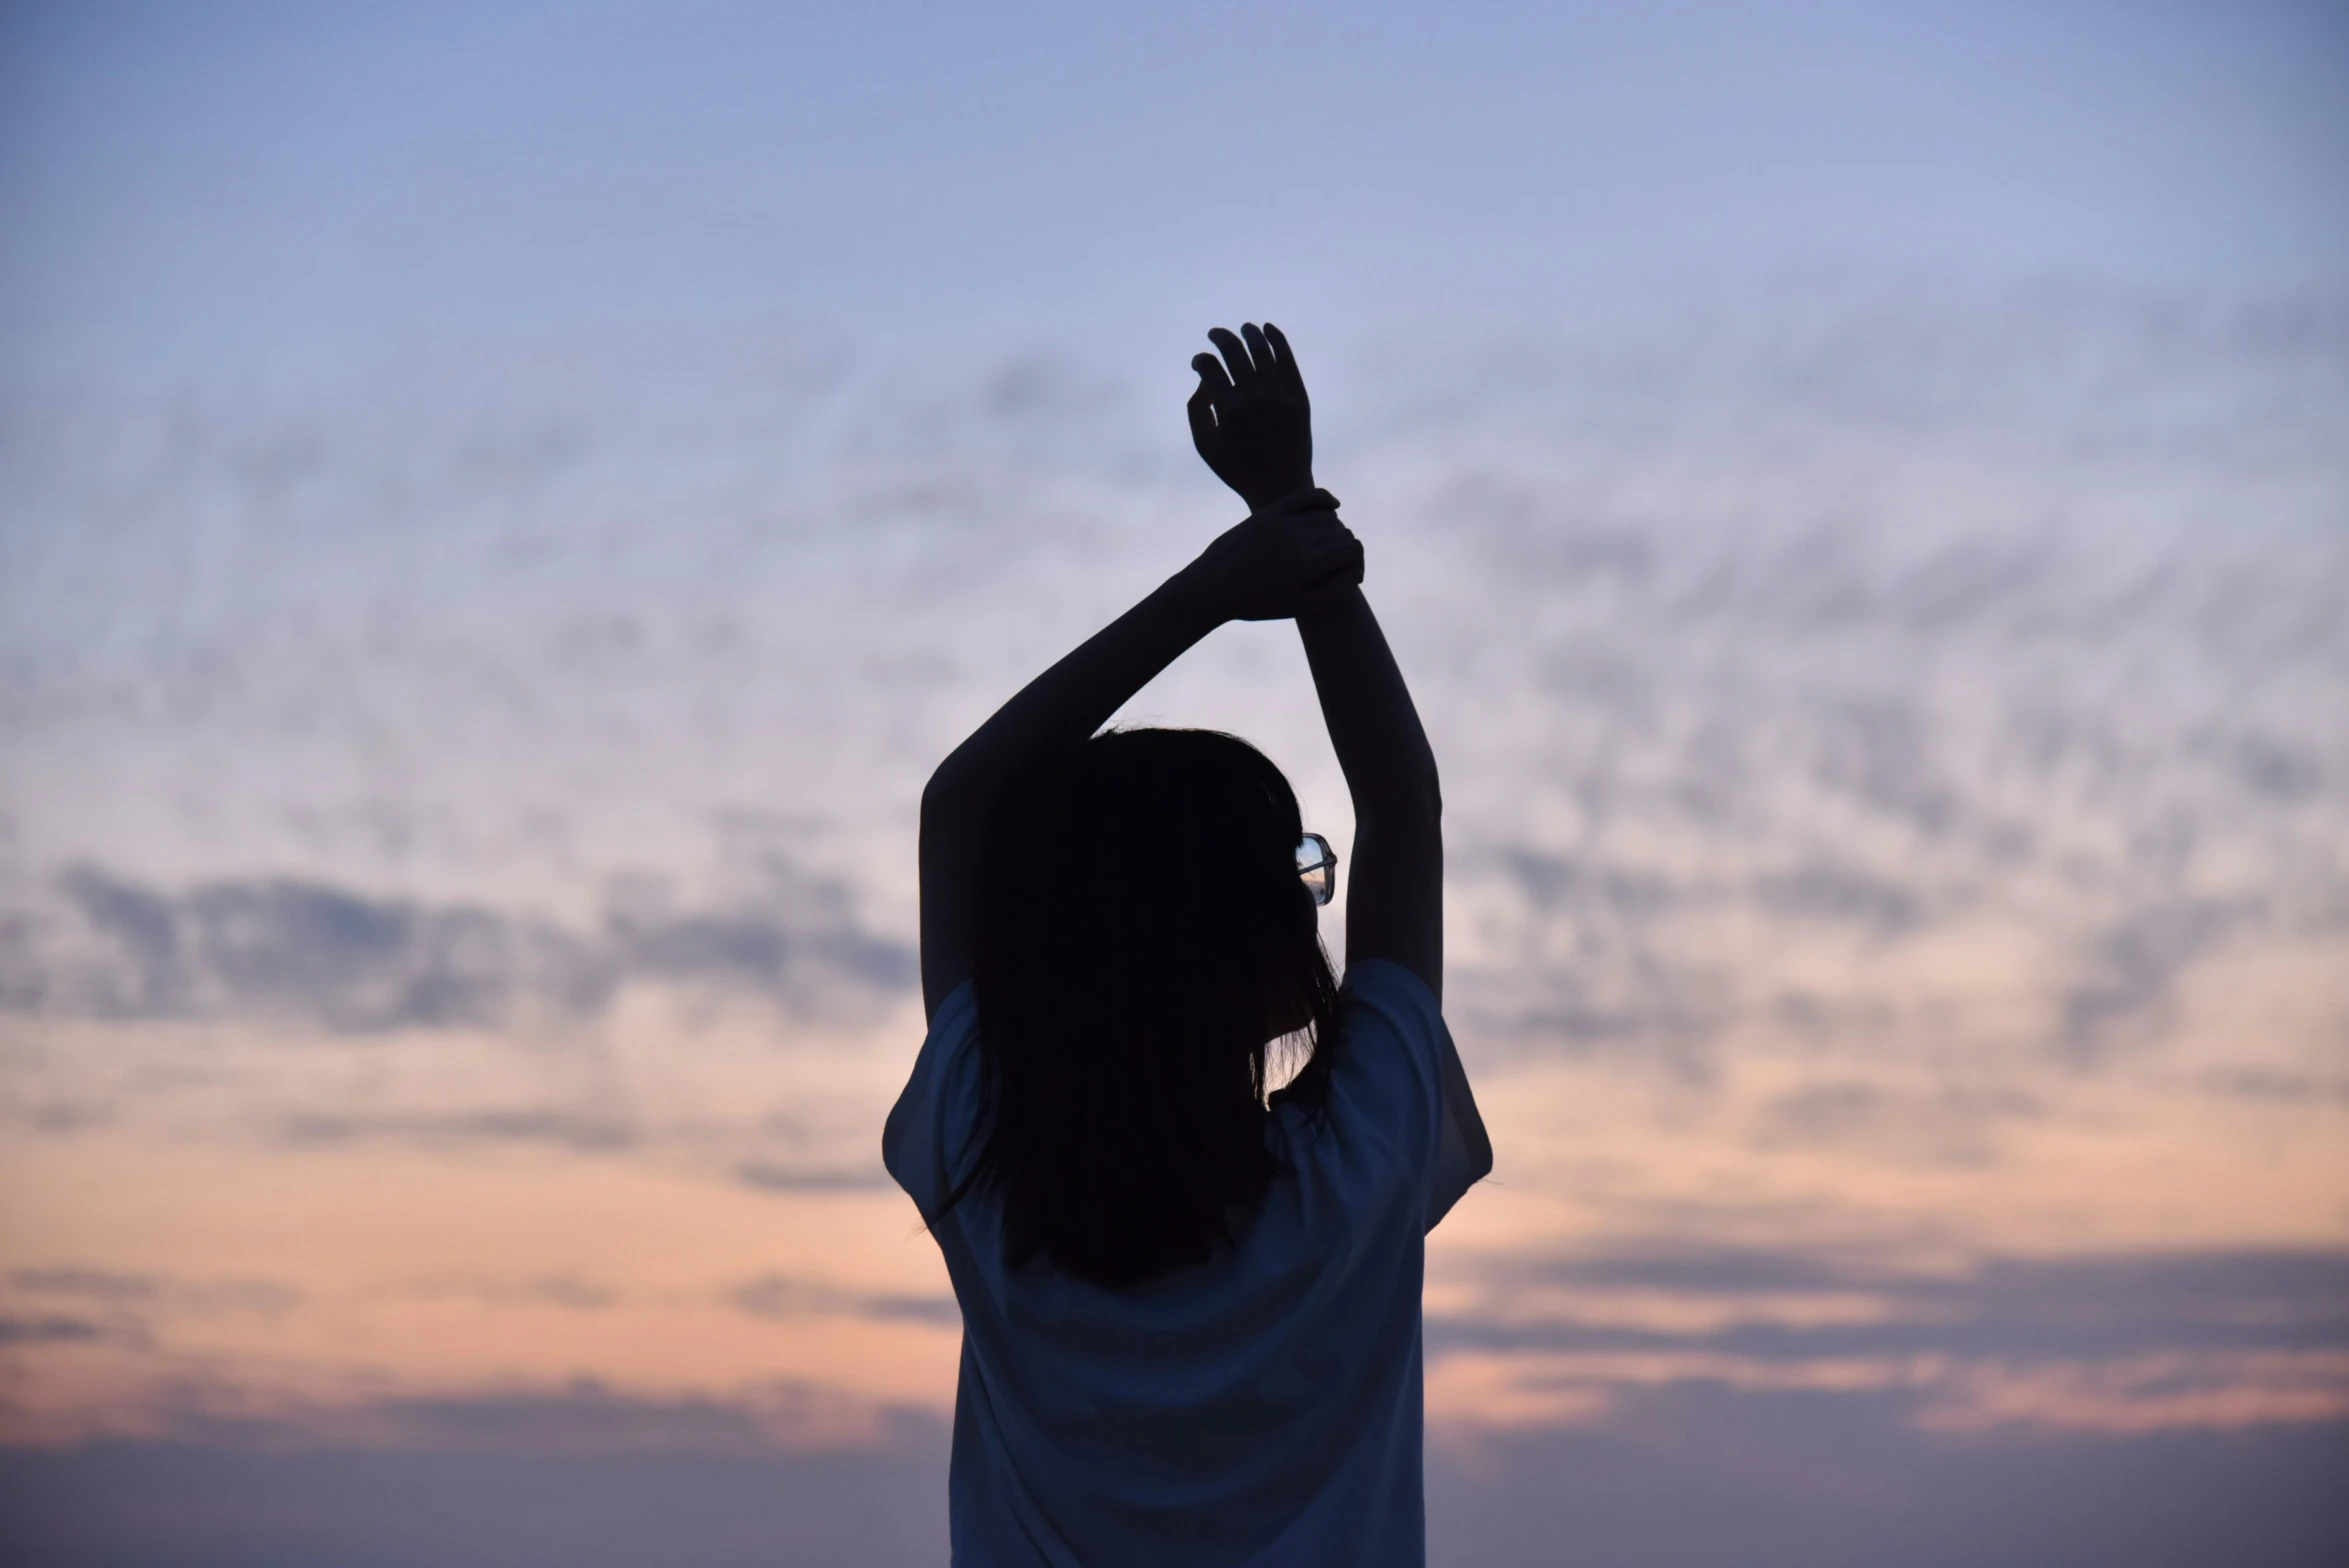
[[501, 507]]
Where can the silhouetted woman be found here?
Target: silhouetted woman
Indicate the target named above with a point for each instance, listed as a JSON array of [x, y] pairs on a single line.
[[1190, 1300]]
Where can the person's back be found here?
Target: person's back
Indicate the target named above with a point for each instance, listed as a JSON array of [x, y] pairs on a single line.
[[1191, 1300]]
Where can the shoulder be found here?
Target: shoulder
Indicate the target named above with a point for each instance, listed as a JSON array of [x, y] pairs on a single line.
[[1388, 1070], [1400, 1069], [1379, 994]]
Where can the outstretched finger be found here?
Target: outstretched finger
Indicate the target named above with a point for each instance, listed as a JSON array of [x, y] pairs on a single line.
[[1235, 354], [1260, 351], [1287, 357]]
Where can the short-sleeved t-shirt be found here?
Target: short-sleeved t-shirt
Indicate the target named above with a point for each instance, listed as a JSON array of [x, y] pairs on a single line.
[[1260, 1409]]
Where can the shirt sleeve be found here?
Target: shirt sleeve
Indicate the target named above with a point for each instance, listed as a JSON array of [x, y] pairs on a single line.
[[1404, 1067], [915, 1141], [1464, 1152]]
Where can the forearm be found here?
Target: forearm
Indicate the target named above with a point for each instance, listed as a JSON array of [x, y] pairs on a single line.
[[1396, 908], [1077, 695], [1058, 708], [1374, 728]]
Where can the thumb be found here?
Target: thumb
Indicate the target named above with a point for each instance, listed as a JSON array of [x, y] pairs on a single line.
[[1205, 434]]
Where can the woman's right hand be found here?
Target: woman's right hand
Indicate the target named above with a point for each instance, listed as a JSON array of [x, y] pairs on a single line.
[[1250, 418], [1290, 559]]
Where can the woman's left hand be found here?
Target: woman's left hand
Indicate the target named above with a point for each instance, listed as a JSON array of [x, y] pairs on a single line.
[[1290, 559]]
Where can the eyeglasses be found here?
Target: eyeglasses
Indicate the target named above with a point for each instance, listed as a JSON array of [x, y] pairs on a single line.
[[1317, 863]]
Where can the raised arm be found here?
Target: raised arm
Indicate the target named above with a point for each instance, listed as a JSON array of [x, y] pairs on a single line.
[[1395, 906], [1259, 434], [1285, 559]]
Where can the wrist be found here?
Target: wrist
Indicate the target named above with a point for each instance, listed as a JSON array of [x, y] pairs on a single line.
[[1331, 611], [1261, 499]]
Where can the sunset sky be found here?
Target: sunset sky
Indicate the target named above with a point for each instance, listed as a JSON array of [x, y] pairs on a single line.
[[502, 506]]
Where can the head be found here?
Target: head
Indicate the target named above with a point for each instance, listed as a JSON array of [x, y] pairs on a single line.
[[1144, 947]]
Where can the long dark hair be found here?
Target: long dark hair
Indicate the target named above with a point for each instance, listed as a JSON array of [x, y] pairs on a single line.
[[1144, 943]]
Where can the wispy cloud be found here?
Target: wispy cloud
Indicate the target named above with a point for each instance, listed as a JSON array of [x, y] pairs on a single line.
[[2133, 1342], [569, 1292], [106, 946], [772, 1176], [2134, 962], [579, 1131], [52, 1329], [788, 1298], [139, 1290], [1883, 735]]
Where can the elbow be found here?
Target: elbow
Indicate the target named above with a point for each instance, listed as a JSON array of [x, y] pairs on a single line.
[[951, 777], [943, 794]]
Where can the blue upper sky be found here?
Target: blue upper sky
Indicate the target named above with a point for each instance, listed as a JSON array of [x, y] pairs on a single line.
[[198, 193]]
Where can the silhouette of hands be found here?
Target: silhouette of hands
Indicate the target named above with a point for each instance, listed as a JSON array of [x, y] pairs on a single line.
[[1288, 558], [1251, 421]]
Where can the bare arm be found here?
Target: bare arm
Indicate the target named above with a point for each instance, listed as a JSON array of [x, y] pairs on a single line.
[[1395, 908], [1252, 423], [1283, 560]]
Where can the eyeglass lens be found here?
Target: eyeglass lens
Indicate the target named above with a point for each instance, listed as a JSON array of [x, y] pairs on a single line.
[[1317, 866]]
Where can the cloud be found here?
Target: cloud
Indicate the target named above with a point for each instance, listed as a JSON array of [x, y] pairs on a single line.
[[1948, 1125], [589, 1417], [570, 1292], [1852, 605], [1826, 891], [1701, 1475], [1711, 1476], [2288, 1087], [224, 1407], [1793, 1307], [1912, 679], [51, 1330], [585, 1476], [1576, 953], [583, 1132], [1878, 750], [2028, 1350], [793, 955], [768, 1176], [2134, 962], [785, 1298], [100, 1285], [107, 946], [138, 1291]]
